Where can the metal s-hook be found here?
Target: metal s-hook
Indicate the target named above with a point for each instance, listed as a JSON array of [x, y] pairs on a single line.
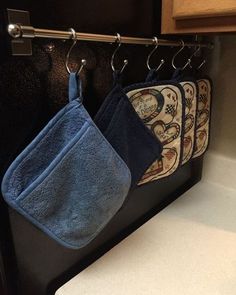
[[155, 39], [194, 54], [125, 62], [173, 58], [83, 61], [201, 64]]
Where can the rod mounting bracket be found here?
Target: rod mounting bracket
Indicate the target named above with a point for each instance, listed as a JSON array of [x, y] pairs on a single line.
[[18, 45]]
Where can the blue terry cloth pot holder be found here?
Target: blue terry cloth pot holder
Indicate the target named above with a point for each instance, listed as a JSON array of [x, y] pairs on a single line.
[[160, 105], [69, 181], [126, 132]]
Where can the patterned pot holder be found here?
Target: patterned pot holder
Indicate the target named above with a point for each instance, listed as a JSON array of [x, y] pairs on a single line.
[[190, 101], [203, 116], [69, 181], [129, 136], [160, 106]]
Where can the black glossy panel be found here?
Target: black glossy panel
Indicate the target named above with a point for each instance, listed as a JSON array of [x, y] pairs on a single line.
[[33, 88]]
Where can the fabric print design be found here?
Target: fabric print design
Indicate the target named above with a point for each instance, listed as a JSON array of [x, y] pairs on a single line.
[[166, 133], [190, 91], [171, 105], [201, 138], [187, 148], [162, 167], [203, 117], [161, 109], [148, 103], [189, 123]]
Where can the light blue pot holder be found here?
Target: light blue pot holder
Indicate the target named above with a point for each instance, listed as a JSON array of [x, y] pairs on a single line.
[[69, 181]]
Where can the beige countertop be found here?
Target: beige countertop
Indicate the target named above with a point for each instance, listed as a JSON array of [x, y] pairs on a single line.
[[189, 248]]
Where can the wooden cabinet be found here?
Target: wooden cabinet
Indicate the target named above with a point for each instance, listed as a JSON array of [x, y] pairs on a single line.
[[200, 16]]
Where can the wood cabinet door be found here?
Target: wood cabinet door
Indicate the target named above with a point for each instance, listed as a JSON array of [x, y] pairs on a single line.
[[201, 16]]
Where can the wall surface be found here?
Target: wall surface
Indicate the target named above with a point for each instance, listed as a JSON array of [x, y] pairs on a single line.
[[220, 160], [222, 69]]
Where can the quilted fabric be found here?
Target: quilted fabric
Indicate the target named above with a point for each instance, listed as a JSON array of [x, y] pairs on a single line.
[[69, 181], [160, 105], [203, 116], [190, 88]]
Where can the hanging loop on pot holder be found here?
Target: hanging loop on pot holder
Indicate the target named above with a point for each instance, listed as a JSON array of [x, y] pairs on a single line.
[[56, 182], [117, 78], [178, 74], [152, 76], [75, 87]]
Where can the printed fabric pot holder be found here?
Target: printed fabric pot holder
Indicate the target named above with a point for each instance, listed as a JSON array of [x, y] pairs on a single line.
[[198, 96], [203, 116], [69, 181], [190, 88], [160, 106], [127, 133]]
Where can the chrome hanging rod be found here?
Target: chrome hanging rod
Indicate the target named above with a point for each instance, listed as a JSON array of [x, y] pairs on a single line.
[[20, 31]]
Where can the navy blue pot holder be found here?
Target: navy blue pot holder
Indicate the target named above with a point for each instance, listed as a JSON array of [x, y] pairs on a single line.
[[127, 133]]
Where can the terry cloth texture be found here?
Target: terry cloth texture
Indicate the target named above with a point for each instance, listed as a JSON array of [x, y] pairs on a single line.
[[190, 88], [69, 181], [203, 116], [160, 105], [126, 132]]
